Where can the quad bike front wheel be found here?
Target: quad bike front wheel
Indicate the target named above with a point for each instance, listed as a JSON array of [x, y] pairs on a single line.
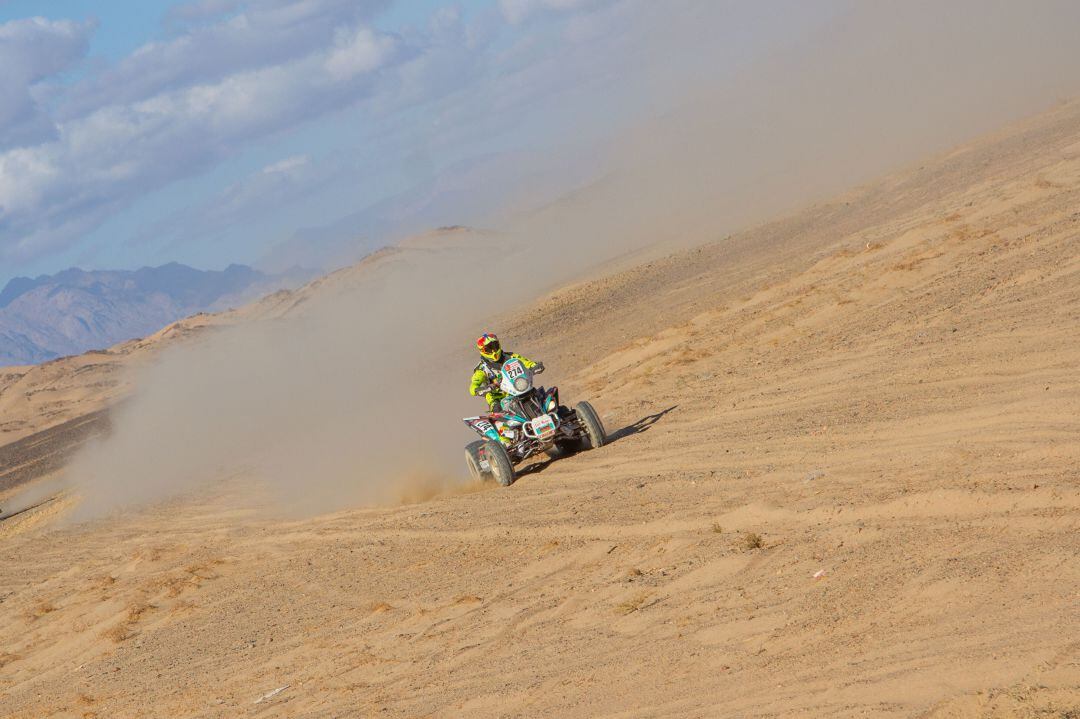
[[590, 422], [502, 469], [493, 454]]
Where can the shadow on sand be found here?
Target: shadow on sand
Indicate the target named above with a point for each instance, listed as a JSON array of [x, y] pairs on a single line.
[[640, 426]]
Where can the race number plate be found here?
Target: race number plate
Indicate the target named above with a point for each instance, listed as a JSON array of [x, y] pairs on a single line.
[[514, 369]]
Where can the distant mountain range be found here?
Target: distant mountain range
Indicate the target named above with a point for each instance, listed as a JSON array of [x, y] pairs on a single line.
[[75, 310]]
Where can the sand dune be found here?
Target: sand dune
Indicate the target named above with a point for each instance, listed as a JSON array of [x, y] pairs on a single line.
[[843, 482]]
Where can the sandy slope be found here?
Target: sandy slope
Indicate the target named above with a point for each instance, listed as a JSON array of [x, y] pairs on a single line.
[[845, 480]]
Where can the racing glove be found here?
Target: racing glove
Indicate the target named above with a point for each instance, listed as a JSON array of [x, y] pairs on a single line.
[[493, 400]]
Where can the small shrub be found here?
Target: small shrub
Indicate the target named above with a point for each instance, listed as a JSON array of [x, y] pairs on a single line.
[[631, 605], [118, 633], [753, 540], [40, 609], [136, 610]]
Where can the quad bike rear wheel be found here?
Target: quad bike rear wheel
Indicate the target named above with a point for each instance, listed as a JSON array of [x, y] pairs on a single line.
[[594, 428], [472, 459]]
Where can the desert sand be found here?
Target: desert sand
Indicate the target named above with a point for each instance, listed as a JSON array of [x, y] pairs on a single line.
[[844, 480]]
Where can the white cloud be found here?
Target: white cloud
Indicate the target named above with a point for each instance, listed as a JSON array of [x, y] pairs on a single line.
[[253, 36], [517, 11], [32, 50], [107, 157], [248, 73], [244, 203], [354, 53], [289, 163]]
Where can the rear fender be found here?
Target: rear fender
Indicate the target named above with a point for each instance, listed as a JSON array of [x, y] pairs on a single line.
[[483, 427]]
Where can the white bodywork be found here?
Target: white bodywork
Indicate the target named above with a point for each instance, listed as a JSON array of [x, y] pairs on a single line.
[[516, 379]]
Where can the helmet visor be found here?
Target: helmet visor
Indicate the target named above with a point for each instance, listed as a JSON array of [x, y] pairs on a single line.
[[491, 348]]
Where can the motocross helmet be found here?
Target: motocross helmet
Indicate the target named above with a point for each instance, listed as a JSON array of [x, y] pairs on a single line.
[[489, 348]]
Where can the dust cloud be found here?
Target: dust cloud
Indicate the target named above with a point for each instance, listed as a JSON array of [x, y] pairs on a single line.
[[738, 118]]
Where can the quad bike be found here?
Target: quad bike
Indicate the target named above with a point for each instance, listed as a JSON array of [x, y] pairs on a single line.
[[531, 421]]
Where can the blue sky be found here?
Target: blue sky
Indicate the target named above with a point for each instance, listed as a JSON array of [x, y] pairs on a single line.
[[281, 132], [306, 132]]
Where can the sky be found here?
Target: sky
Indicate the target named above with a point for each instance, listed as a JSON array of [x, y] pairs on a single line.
[[300, 132], [304, 132]]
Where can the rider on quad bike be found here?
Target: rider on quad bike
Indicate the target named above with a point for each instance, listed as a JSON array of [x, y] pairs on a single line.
[[492, 357], [524, 420]]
